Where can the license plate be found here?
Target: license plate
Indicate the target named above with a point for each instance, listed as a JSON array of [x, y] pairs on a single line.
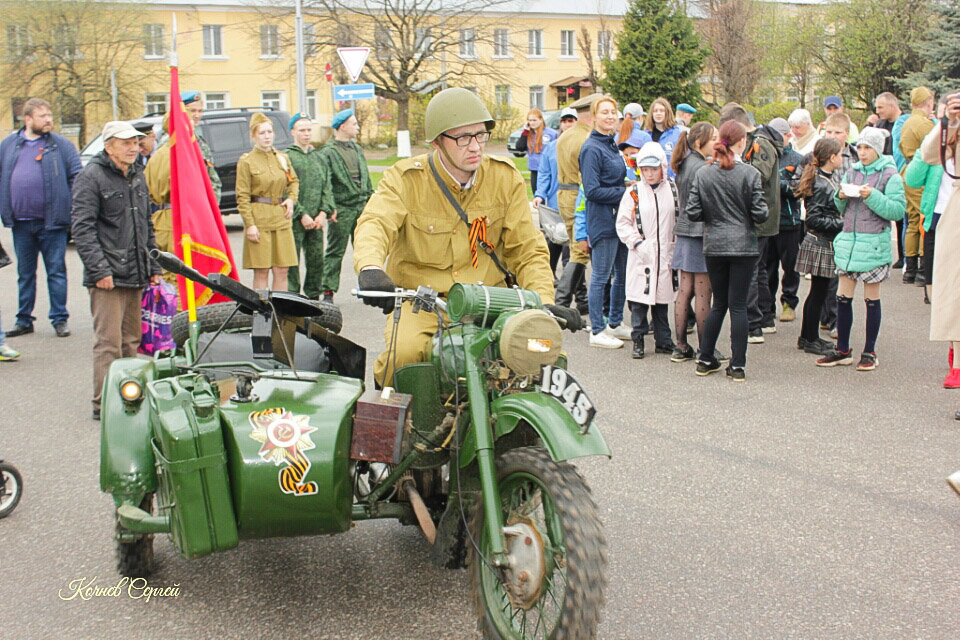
[[560, 384]]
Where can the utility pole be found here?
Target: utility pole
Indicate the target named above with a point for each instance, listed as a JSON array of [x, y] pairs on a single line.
[[301, 71]]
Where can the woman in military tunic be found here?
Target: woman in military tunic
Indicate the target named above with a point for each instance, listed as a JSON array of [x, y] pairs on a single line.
[[267, 189]]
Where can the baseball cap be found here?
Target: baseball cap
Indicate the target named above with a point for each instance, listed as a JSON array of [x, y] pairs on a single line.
[[647, 161], [119, 129], [833, 101], [568, 113]]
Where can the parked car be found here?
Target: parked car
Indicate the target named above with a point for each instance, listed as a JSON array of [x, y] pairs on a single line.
[[227, 131], [551, 118]]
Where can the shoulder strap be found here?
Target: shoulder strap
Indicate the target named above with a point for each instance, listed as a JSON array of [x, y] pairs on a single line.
[[676, 197], [508, 275], [636, 208]]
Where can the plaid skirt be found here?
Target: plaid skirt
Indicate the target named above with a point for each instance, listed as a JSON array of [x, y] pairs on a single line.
[[816, 257], [874, 276]]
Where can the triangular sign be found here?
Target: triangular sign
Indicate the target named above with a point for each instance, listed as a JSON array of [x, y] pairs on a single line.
[[353, 59]]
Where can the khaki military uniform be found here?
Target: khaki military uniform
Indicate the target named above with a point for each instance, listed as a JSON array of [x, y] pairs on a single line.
[[409, 225], [915, 129], [568, 173], [267, 175]]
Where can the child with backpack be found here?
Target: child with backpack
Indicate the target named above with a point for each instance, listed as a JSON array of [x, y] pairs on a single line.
[[645, 223]]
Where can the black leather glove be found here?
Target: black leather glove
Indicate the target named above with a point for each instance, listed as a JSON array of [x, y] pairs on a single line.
[[570, 317], [377, 280]]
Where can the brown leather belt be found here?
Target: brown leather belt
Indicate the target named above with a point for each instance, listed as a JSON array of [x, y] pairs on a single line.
[[265, 200]]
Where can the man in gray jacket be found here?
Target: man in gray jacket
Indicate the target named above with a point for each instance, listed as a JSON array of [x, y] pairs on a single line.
[[113, 235]]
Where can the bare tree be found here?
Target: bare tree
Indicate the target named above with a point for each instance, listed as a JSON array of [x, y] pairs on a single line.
[[416, 46], [734, 65], [66, 51], [795, 45]]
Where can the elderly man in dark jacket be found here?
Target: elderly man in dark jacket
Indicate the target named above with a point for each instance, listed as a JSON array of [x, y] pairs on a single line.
[[113, 235]]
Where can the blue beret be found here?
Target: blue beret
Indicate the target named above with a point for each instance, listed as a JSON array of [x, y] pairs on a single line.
[[341, 117], [297, 116], [683, 106], [189, 96]]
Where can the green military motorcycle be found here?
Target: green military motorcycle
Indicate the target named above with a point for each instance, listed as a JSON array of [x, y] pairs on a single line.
[[260, 426]]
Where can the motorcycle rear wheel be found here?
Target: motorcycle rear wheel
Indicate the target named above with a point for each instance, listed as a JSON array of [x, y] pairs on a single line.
[[12, 488], [211, 316], [135, 559], [551, 503]]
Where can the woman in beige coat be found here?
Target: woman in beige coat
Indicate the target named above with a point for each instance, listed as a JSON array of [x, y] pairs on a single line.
[[945, 295], [267, 189]]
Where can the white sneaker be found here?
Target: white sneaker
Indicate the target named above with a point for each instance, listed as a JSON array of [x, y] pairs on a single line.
[[771, 329], [604, 340], [621, 331]]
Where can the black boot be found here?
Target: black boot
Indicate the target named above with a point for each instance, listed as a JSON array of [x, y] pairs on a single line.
[[637, 352], [921, 278], [910, 271], [573, 274], [580, 295]]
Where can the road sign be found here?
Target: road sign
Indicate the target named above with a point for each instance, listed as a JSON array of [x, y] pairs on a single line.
[[344, 92], [328, 72], [353, 59]]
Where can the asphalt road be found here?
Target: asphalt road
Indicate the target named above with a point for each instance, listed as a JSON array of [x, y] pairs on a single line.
[[804, 503]]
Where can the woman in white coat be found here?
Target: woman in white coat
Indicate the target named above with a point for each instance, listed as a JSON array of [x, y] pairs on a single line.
[[645, 222]]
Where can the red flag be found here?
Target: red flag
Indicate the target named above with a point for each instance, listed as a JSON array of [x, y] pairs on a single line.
[[195, 209]]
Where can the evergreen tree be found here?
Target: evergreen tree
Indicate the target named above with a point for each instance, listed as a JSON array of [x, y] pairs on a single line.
[[940, 52], [658, 55]]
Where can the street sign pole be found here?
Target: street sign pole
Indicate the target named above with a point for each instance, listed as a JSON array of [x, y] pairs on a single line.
[[301, 71]]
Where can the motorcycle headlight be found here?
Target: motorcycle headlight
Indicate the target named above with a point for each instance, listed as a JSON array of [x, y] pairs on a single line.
[[131, 390], [529, 340]]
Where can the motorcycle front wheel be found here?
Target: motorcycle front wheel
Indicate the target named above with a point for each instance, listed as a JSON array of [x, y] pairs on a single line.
[[135, 559], [12, 488], [554, 590]]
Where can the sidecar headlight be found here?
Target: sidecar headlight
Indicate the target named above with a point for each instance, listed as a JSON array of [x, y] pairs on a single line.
[[529, 340], [131, 390]]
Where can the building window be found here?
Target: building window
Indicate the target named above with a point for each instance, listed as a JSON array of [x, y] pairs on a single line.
[[66, 38], [310, 45], [155, 103], [216, 100], [383, 42], [567, 43], [312, 103], [468, 43], [604, 45], [424, 41], [536, 97], [535, 42], [501, 43], [153, 41], [271, 99], [18, 40], [269, 41], [212, 40], [502, 95]]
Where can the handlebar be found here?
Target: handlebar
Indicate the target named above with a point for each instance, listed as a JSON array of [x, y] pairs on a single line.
[[426, 297]]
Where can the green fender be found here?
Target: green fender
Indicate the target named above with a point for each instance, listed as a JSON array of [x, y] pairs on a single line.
[[555, 426], [126, 459]]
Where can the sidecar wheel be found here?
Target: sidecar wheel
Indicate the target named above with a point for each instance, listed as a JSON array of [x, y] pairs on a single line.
[[12, 489], [135, 559], [211, 316], [555, 590]]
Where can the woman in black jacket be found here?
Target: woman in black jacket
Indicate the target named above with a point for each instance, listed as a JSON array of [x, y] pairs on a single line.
[[823, 223], [689, 156], [728, 197]]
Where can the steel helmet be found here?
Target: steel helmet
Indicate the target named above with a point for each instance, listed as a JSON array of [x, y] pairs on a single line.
[[452, 108]]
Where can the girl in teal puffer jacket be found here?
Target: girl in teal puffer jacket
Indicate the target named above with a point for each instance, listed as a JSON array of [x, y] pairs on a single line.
[[870, 197]]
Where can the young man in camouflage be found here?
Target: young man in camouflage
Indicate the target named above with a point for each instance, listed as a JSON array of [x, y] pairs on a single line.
[[351, 190], [191, 100], [310, 213]]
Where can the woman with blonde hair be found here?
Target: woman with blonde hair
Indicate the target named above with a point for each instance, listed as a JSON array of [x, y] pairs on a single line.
[[267, 188], [536, 134]]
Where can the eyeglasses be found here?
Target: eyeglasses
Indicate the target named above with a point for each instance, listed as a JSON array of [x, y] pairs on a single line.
[[464, 140]]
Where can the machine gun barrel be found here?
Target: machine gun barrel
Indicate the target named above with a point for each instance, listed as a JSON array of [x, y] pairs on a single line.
[[225, 285]]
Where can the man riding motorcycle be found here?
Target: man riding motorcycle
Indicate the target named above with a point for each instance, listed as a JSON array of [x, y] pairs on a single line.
[[453, 215]]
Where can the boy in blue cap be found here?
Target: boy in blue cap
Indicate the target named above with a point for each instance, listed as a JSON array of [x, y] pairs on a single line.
[[351, 184]]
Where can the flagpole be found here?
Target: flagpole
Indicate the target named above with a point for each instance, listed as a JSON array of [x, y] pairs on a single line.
[[188, 260]]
